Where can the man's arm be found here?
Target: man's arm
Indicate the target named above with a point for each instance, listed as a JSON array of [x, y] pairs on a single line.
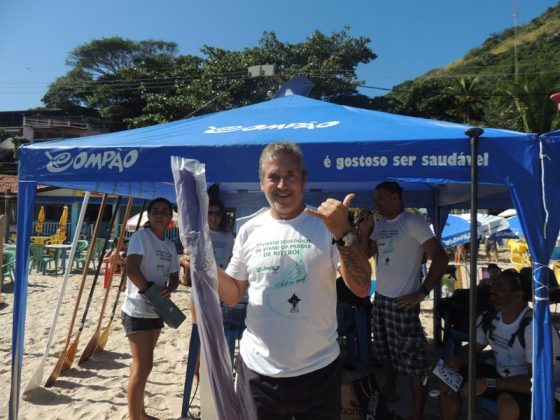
[[440, 260], [230, 290], [354, 265], [439, 263], [462, 358], [517, 383], [355, 269]]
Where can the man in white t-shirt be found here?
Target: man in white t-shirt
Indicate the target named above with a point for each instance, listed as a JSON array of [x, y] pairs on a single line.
[[288, 259], [398, 244], [509, 333]]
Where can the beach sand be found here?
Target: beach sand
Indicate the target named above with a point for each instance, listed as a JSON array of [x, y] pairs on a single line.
[[97, 388]]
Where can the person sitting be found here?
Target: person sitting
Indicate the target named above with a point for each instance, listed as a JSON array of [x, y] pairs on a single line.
[[508, 331], [493, 270]]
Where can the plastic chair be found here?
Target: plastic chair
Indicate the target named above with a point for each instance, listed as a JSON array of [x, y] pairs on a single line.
[[39, 259], [81, 254], [9, 264]]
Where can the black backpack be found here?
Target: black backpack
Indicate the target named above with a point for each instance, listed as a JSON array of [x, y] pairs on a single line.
[[491, 315]]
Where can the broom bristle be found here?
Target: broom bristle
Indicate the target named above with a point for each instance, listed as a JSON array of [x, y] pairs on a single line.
[[70, 354], [90, 348], [104, 337], [56, 371]]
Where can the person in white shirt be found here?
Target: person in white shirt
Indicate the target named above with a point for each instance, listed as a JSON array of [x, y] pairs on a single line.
[[398, 243], [151, 262], [508, 330], [287, 259]]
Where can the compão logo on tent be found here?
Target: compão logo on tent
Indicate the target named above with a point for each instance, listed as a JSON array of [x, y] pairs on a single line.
[[311, 125], [108, 159]]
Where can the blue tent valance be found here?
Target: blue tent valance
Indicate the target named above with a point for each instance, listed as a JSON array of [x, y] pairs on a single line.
[[346, 150]]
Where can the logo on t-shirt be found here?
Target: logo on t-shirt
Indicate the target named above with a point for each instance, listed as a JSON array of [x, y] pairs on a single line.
[[294, 300], [285, 297]]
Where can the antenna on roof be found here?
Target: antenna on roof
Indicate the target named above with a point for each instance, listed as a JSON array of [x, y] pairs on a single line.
[[515, 58]]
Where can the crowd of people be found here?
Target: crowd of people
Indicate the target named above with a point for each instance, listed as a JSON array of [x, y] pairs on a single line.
[[288, 364]]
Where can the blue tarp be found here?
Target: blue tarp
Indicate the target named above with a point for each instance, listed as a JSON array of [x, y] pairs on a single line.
[[457, 229], [346, 150]]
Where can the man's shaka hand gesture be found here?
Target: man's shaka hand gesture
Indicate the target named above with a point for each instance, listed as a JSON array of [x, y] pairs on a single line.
[[334, 215]]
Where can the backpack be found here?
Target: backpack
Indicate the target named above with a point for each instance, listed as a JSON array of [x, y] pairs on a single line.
[[491, 315]]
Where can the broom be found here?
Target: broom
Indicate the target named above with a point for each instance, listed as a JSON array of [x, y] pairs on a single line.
[[62, 363], [67, 356], [92, 344], [105, 334], [37, 376]]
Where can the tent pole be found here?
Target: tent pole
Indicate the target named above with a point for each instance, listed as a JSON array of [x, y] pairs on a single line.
[[437, 289], [474, 134]]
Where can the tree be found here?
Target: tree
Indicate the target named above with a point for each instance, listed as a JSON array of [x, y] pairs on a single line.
[[107, 75], [144, 83], [524, 104]]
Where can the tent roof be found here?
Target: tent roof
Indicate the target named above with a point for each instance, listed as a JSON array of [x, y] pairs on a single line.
[[341, 145]]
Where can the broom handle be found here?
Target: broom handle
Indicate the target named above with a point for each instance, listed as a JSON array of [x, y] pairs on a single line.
[[123, 274], [113, 264], [86, 268], [100, 263]]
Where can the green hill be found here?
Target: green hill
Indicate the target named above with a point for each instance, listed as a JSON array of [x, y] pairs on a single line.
[[482, 87]]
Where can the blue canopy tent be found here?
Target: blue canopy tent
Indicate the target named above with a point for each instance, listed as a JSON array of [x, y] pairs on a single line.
[[346, 150]]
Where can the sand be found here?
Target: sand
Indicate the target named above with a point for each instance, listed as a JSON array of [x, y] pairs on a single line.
[[97, 388]]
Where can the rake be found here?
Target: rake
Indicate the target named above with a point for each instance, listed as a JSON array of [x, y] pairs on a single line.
[[66, 356], [92, 344]]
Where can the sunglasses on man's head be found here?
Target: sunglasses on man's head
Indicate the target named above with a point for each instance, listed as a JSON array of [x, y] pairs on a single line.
[[214, 213]]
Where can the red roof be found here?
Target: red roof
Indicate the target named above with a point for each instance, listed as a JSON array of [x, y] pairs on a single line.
[[9, 185]]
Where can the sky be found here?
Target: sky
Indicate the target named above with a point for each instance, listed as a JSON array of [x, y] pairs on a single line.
[[410, 37]]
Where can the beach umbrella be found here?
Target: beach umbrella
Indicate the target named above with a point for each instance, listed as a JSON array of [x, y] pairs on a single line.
[[62, 222], [515, 230], [457, 229], [133, 221], [40, 221]]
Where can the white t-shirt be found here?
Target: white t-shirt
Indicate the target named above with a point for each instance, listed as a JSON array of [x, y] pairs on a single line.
[[159, 260], [291, 266], [513, 360], [222, 244], [399, 253]]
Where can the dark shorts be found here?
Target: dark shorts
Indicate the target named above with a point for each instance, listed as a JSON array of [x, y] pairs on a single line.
[[398, 336], [134, 325], [313, 396]]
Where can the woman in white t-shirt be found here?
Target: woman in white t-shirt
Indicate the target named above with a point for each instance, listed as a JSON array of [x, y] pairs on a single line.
[[151, 262]]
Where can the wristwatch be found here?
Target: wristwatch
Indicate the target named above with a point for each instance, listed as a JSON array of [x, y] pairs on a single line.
[[346, 240], [491, 383]]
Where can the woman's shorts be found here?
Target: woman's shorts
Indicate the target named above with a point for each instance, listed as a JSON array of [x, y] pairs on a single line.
[[134, 325]]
